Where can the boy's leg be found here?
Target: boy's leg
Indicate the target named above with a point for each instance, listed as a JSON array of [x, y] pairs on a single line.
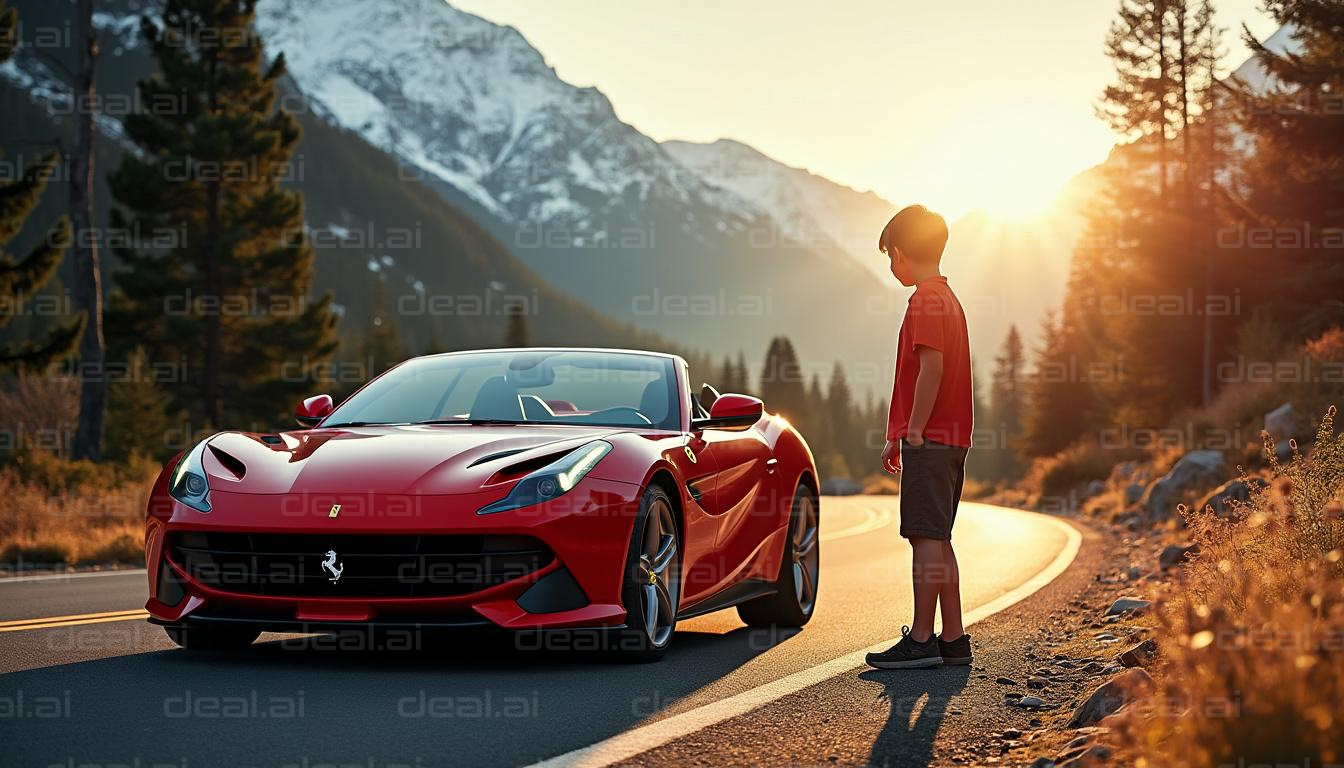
[[928, 575], [949, 596]]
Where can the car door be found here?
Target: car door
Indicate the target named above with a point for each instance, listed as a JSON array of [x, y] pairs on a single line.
[[742, 462]]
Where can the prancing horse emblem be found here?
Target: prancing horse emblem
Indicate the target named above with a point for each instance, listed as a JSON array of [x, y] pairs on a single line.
[[329, 565]]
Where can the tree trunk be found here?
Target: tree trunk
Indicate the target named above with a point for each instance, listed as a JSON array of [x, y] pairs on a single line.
[[88, 278], [1162, 88]]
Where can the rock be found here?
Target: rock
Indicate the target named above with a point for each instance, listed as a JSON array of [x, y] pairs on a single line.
[[1006, 681], [1036, 684], [1134, 492], [1196, 472], [1011, 733], [1221, 498], [1078, 743], [1175, 554], [1123, 472], [1095, 755], [1110, 696], [1140, 654], [1031, 702], [1043, 762], [1280, 423]]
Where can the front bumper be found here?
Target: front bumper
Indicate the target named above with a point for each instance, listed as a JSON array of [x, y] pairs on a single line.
[[587, 531]]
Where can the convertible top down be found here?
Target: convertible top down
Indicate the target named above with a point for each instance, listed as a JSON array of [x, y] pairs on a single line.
[[525, 489]]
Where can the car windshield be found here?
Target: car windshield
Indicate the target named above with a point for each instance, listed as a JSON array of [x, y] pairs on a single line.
[[617, 389]]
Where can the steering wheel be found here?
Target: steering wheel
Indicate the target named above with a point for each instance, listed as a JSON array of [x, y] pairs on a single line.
[[624, 410]]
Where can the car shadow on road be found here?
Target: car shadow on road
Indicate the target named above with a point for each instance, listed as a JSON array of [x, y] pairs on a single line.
[[459, 651], [919, 699], [470, 701]]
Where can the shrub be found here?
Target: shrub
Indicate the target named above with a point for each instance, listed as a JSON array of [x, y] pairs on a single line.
[[55, 511], [1252, 671], [123, 549], [44, 554], [1058, 475]]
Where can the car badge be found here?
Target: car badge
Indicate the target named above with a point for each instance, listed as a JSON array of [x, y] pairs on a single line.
[[653, 577], [690, 454], [335, 510], [329, 565]]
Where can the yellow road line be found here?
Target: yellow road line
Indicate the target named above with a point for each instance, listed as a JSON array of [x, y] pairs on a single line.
[[73, 620]]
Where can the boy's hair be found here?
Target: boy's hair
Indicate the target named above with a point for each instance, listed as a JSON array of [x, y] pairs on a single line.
[[920, 233]]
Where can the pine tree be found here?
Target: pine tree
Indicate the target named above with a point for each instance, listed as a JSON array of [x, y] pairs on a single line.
[[815, 426], [1137, 104], [234, 276], [1006, 397], [843, 419], [1059, 397], [19, 279], [382, 342], [516, 335], [782, 385], [1296, 175], [743, 374], [140, 413], [1164, 53]]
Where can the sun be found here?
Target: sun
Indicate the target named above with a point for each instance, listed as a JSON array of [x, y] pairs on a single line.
[[1010, 162]]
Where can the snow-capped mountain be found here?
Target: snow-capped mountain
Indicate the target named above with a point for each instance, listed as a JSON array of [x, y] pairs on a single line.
[[599, 209], [472, 104], [804, 206], [1253, 73]]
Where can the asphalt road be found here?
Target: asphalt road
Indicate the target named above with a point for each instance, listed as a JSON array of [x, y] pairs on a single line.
[[87, 682]]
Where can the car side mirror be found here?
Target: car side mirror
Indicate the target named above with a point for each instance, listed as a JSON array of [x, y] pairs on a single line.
[[731, 411], [313, 410]]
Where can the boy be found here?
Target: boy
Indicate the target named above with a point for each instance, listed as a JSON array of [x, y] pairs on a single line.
[[928, 434]]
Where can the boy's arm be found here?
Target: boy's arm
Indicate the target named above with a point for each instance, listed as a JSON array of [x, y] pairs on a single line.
[[926, 392]]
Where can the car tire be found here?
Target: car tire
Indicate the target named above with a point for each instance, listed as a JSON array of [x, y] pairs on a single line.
[[228, 638], [651, 589], [795, 595]]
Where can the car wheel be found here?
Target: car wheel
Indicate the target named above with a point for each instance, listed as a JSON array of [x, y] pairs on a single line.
[[796, 588], [652, 587], [212, 638]]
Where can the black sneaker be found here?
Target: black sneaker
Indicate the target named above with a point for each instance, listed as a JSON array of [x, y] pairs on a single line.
[[956, 652], [907, 654]]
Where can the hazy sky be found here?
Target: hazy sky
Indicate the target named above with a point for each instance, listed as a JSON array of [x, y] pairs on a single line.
[[958, 104]]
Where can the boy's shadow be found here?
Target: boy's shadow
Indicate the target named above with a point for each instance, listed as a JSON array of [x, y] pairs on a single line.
[[919, 699]]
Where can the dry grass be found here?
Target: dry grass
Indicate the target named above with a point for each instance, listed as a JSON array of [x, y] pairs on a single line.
[[1057, 476], [57, 512], [1253, 637]]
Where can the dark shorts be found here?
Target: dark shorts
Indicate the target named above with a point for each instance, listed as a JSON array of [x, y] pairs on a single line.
[[931, 479]]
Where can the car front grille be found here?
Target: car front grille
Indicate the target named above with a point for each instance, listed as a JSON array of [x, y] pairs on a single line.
[[369, 566]]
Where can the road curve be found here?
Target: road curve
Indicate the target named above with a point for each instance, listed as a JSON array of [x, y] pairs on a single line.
[[86, 681]]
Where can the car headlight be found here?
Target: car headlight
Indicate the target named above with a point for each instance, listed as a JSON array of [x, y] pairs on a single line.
[[188, 484], [553, 480]]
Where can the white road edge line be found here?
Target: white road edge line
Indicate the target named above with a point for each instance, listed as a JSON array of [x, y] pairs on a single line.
[[63, 576], [626, 745]]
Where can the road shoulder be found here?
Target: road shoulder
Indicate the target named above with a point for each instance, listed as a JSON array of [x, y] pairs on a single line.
[[946, 716]]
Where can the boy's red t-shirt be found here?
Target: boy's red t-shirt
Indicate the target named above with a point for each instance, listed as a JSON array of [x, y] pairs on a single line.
[[936, 320]]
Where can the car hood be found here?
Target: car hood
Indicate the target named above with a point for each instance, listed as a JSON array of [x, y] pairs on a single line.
[[378, 460]]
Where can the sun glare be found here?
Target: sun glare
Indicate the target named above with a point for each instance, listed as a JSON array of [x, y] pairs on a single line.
[[1011, 163]]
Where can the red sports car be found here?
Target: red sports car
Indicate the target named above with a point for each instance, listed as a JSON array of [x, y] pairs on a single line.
[[525, 489]]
